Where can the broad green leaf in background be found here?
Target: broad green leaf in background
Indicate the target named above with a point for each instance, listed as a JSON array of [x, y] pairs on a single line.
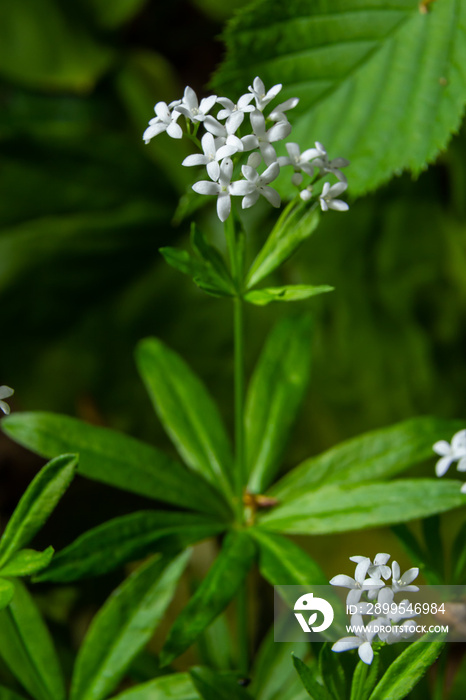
[[112, 15], [272, 671], [364, 679], [187, 412], [123, 626], [114, 458], [345, 508], [127, 538], [274, 396], [8, 694], [37, 503], [368, 457], [213, 595], [213, 686], [27, 648], [296, 292], [295, 224], [26, 562], [283, 563], [383, 85], [308, 679], [215, 645], [178, 686], [7, 591], [41, 46], [408, 669]]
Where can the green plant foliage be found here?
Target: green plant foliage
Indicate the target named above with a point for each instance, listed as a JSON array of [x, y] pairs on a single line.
[[123, 626], [364, 679], [128, 538], [213, 686], [115, 14], [332, 673], [35, 506], [115, 459], [212, 596], [297, 292], [187, 412], [281, 560], [375, 455], [275, 394], [407, 669], [8, 694], [178, 686], [27, 648], [384, 85], [314, 689], [7, 591], [27, 562], [272, 673]]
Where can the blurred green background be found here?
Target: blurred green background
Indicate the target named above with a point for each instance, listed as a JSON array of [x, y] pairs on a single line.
[[85, 206]]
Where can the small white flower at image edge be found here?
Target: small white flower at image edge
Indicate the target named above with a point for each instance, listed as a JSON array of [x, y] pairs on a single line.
[[5, 393], [449, 453]]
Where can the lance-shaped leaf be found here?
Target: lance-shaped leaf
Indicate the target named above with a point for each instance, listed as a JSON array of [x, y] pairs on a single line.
[[187, 412], [128, 538], [214, 686], [369, 457], [309, 681], [213, 260], [382, 84], [27, 562], [292, 228], [345, 508], [27, 648], [178, 686], [123, 626], [213, 595], [275, 393], [36, 504], [202, 274], [296, 292], [7, 590], [364, 679], [8, 694], [407, 670], [116, 459]]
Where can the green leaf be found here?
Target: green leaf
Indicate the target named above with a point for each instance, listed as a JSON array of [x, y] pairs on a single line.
[[212, 259], [296, 292], [345, 508], [364, 678], [458, 555], [7, 591], [127, 538], [123, 626], [407, 669], [37, 503], [119, 12], [213, 595], [27, 562], [292, 228], [314, 689], [275, 394], [213, 686], [283, 563], [115, 459], [178, 686], [272, 674], [332, 673], [8, 694], [416, 553], [383, 84], [203, 275], [27, 648], [368, 457], [216, 645], [187, 412], [44, 48]]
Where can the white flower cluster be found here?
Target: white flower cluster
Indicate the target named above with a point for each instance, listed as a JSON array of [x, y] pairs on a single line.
[[451, 453], [222, 142], [370, 581], [5, 393]]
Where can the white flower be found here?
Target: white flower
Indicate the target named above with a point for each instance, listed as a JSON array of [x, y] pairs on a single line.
[[402, 583], [223, 188], [306, 194], [224, 132], [362, 640], [191, 108], [164, 121], [450, 453], [376, 570], [327, 200], [299, 161], [259, 183], [278, 114], [234, 113], [212, 155], [396, 613], [5, 392], [333, 166], [359, 583], [263, 139], [261, 97]]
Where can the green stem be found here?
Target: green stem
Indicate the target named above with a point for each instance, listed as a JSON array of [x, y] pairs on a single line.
[[239, 406]]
